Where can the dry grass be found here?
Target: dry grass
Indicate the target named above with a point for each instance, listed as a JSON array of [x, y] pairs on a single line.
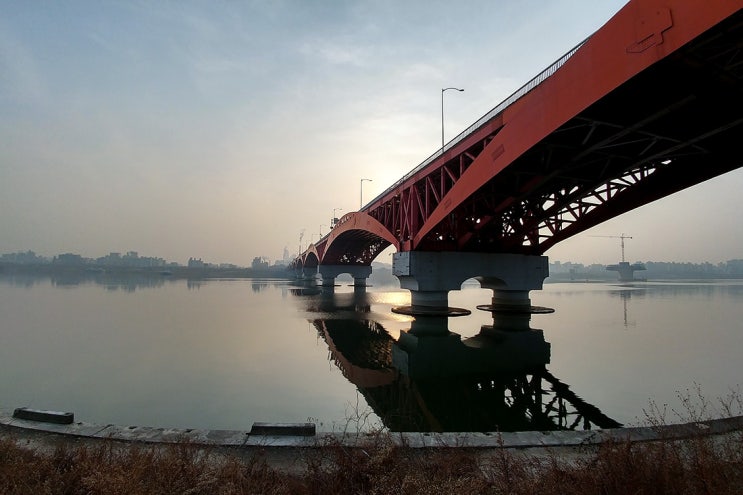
[[707, 465], [699, 465]]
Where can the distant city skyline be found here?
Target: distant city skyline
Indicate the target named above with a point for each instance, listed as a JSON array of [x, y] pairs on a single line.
[[114, 257], [232, 130]]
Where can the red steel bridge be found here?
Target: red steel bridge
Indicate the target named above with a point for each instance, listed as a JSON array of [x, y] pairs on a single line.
[[650, 104]]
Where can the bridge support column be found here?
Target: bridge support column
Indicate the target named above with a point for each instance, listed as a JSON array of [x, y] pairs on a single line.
[[359, 273], [309, 273], [431, 275]]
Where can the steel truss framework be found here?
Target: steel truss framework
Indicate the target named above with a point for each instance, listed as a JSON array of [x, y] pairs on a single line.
[[673, 124], [645, 140]]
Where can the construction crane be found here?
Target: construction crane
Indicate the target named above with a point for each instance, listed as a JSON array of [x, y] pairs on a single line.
[[622, 237]]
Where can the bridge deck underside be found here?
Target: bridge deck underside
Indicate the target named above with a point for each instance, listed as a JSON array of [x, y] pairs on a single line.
[[354, 247], [675, 124]]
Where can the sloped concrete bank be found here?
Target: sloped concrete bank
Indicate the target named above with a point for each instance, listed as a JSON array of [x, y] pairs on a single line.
[[297, 436]]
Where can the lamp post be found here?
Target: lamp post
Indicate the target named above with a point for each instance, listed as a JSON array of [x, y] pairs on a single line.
[[334, 220], [442, 114], [361, 193]]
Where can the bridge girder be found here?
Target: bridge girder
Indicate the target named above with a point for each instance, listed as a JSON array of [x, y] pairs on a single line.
[[651, 104], [624, 121]]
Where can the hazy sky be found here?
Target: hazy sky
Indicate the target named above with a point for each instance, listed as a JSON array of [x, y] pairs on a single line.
[[223, 129]]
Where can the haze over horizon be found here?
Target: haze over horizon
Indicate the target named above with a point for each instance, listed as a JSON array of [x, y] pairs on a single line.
[[223, 130]]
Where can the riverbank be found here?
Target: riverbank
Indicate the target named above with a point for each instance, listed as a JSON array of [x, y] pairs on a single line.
[[282, 435], [280, 444], [696, 457]]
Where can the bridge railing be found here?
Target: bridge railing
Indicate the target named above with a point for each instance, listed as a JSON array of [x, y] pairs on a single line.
[[498, 109]]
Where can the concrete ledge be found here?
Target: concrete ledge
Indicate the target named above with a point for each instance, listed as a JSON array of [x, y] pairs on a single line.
[[283, 429], [279, 435], [62, 418]]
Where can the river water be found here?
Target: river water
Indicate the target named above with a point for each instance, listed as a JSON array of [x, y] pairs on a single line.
[[226, 353]]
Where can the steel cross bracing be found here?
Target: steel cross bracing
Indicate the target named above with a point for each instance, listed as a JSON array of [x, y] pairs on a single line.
[[627, 117], [406, 211], [674, 125]]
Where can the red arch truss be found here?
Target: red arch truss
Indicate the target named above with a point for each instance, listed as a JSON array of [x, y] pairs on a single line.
[[650, 104], [355, 240]]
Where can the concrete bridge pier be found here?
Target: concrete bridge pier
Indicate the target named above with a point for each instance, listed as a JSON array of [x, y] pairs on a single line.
[[308, 273], [360, 273], [303, 275], [429, 276], [509, 302], [428, 325], [508, 322]]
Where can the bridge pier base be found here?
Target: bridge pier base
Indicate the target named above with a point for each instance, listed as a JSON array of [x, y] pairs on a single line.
[[304, 275], [429, 276], [428, 325], [510, 301], [360, 273]]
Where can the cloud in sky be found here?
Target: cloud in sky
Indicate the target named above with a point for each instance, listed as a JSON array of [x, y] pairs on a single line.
[[221, 130]]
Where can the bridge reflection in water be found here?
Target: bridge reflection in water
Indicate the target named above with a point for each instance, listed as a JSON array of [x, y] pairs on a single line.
[[431, 379]]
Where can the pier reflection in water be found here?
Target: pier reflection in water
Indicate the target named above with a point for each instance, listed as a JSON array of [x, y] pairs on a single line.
[[431, 379]]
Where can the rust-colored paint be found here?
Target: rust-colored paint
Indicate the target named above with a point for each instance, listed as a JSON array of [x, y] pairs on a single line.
[[599, 66], [488, 191], [360, 221]]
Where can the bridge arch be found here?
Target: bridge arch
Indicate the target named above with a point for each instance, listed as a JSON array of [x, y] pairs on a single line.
[[578, 146], [310, 258], [623, 119], [356, 239]]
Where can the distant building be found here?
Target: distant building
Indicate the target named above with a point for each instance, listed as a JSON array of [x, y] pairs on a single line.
[[196, 263], [68, 259], [734, 267], [129, 260], [27, 258], [259, 263]]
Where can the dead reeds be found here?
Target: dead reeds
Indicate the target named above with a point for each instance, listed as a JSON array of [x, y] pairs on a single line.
[[700, 464]]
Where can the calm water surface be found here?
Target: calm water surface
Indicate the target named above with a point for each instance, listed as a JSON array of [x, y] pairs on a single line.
[[226, 353]]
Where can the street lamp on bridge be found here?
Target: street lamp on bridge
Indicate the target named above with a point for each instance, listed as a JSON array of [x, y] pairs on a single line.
[[334, 220], [361, 193], [442, 114]]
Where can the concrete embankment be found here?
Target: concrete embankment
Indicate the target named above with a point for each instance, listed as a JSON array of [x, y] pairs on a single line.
[[303, 435]]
